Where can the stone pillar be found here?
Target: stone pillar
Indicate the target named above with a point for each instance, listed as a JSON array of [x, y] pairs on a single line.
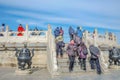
[[113, 39], [49, 34], [106, 37], [49, 28], [26, 32], [52, 54], [86, 36], [95, 37], [6, 34]]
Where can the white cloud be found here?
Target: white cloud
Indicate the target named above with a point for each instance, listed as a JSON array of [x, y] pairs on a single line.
[[103, 13]]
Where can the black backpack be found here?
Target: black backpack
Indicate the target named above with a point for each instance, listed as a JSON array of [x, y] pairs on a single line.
[[85, 51]]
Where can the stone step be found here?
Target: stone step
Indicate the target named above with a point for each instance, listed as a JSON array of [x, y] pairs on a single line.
[[66, 64], [65, 60], [76, 69]]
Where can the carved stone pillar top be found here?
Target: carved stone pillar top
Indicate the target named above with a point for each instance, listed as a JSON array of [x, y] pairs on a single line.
[[7, 28]]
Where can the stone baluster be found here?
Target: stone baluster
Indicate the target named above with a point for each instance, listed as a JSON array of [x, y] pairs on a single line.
[[95, 37], [49, 34], [106, 37], [6, 34], [86, 36], [26, 32], [113, 37]]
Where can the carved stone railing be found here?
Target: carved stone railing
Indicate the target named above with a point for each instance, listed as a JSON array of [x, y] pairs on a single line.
[[28, 36], [99, 39], [51, 56]]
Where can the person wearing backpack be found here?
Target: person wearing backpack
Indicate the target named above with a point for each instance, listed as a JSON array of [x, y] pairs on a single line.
[[82, 51], [57, 32], [71, 32], [94, 61], [79, 33]]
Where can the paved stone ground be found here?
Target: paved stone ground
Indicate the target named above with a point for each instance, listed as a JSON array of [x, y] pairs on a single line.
[[42, 74]]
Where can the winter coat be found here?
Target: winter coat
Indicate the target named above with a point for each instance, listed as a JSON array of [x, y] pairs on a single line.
[[95, 53], [77, 39], [81, 52], [59, 39], [71, 31], [71, 49], [20, 30]]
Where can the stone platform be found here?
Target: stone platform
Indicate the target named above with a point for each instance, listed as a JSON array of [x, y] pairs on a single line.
[[43, 74], [23, 72]]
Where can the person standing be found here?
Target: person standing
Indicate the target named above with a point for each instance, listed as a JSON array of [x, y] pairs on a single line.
[[82, 51], [59, 45], [2, 28], [95, 54], [20, 30], [71, 54], [79, 33], [57, 32], [71, 32]]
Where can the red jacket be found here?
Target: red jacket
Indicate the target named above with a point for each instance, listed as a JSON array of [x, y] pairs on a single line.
[[20, 30]]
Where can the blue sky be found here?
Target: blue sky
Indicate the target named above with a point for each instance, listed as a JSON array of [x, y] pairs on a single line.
[[101, 14]]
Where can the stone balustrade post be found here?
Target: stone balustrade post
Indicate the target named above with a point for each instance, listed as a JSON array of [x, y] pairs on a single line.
[[113, 39], [86, 36], [49, 34], [95, 37], [6, 34], [26, 32], [106, 37]]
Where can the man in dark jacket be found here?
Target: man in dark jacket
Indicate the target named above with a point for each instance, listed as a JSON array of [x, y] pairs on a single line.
[[95, 53], [71, 32]]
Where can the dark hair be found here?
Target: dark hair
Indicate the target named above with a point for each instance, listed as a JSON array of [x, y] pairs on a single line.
[[3, 24], [71, 40]]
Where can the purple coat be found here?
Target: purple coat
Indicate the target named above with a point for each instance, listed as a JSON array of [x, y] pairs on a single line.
[[80, 52], [71, 49]]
